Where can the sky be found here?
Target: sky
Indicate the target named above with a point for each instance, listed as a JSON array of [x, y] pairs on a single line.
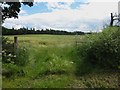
[[69, 15]]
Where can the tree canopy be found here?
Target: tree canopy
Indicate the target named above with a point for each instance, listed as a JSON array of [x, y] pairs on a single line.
[[11, 9], [24, 31]]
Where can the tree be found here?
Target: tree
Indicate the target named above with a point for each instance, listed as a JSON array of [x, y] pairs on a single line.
[[11, 9]]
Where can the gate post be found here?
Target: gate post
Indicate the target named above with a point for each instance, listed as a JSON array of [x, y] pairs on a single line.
[[15, 43], [111, 22]]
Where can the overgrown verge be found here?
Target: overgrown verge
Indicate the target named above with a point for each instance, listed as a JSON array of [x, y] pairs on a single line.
[[13, 61], [101, 50]]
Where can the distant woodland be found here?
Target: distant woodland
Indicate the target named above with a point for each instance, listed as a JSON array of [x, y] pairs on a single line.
[[22, 31]]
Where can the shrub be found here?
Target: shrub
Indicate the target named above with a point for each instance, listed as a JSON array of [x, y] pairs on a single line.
[[12, 61], [7, 51], [103, 49], [22, 57], [9, 70]]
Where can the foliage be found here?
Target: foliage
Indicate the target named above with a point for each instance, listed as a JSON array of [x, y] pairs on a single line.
[[8, 55], [13, 60], [10, 70], [24, 31], [47, 61], [11, 9], [22, 56], [103, 49]]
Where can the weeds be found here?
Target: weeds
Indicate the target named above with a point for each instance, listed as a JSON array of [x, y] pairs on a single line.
[[103, 50], [53, 62]]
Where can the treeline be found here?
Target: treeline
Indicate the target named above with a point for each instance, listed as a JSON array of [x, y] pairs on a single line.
[[21, 31]]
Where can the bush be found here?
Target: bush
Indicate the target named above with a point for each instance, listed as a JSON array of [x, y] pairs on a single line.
[[103, 49], [13, 60], [8, 55], [22, 57], [18, 57], [9, 70]]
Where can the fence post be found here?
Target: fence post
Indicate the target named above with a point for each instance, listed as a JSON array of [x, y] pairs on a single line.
[[111, 22], [15, 43]]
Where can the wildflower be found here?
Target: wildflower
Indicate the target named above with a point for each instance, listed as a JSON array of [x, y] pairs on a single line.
[[14, 56], [9, 54], [71, 62]]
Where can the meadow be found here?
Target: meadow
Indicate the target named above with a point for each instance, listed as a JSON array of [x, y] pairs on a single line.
[[52, 62]]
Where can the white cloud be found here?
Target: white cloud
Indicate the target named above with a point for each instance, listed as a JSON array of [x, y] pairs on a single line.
[[18, 26], [76, 0], [86, 18], [103, 0], [15, 25], [53, 0], [23, 12], [98, 10], [56, 5]]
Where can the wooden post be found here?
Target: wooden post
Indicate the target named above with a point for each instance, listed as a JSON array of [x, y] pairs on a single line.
[[111, 22], [15, 43]]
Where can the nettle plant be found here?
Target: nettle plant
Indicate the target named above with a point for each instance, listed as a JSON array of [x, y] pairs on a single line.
[[8, 55], [12, 60], [104, 49]]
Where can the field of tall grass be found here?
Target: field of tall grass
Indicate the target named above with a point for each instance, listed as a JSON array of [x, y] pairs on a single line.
[[55, 61]]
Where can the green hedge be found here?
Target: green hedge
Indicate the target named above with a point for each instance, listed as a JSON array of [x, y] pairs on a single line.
[[103, 49]]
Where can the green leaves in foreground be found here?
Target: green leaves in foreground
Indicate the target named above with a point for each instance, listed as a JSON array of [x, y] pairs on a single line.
[[104, 49]]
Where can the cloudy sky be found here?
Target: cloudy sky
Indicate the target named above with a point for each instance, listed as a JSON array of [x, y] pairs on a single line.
[[69, 15]]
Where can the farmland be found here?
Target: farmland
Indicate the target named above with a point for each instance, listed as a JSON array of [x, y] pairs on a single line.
[[52, 62], [60, 45]]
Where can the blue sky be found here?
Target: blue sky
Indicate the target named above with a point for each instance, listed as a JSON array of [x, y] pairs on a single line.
[[37, 8], [41, 7], [72, 15]]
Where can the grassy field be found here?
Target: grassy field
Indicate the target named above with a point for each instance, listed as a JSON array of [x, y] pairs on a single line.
[[52, 63]]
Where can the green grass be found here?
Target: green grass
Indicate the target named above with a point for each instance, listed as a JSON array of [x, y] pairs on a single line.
[[46, 39], [53, 63]]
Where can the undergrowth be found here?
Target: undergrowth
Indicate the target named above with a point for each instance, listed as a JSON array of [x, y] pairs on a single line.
[[100, 51]]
